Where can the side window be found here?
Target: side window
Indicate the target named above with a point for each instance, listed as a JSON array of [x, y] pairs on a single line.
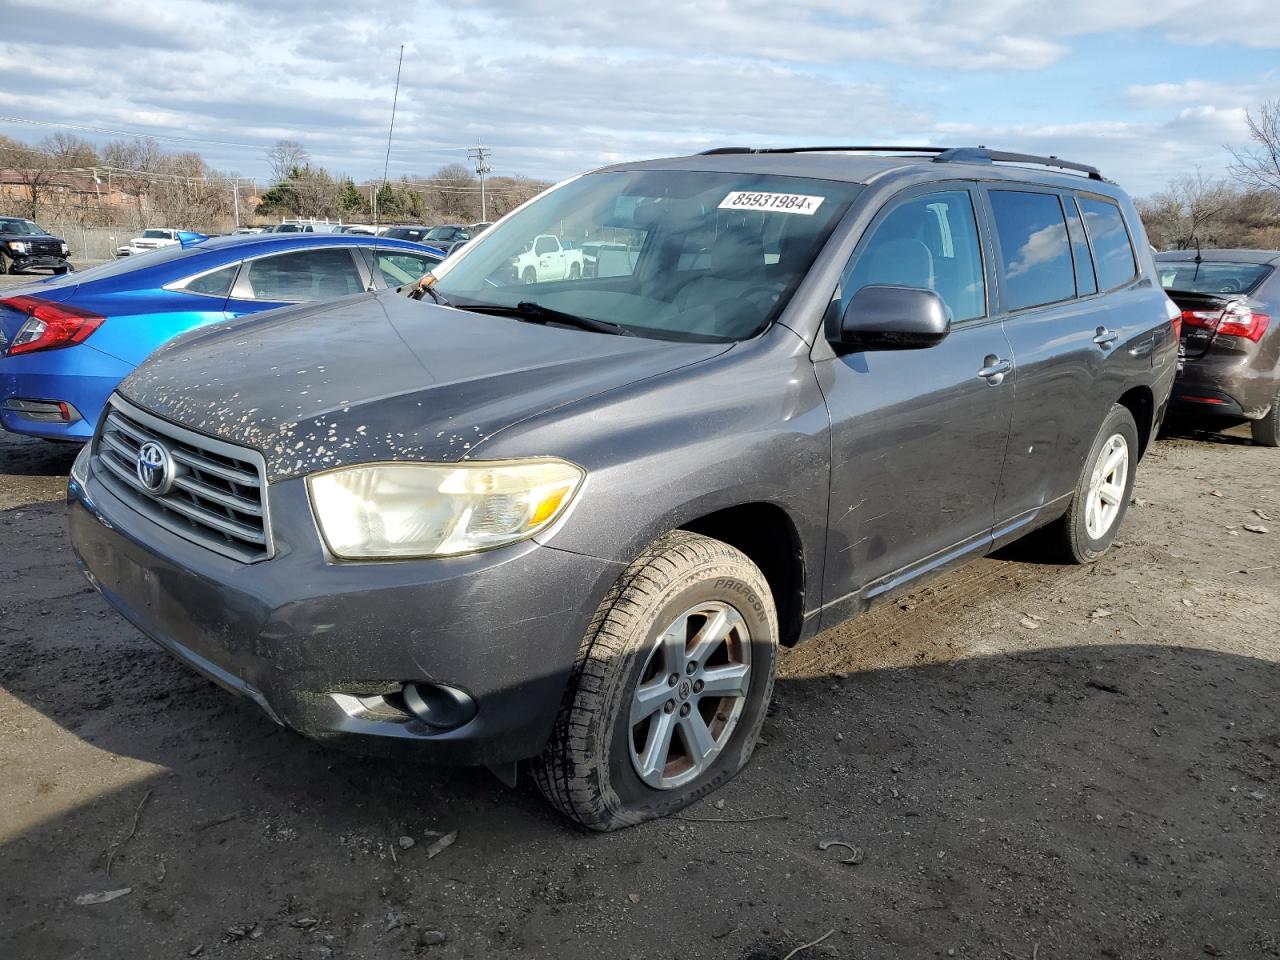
[[215, 284], [929, 242], [1086, 282], [304, 275], [399, 268], [1111, 243], [544, 245], [1034, 249]]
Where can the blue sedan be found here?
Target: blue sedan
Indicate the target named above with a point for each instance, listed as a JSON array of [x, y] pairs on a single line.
[[66, 342]]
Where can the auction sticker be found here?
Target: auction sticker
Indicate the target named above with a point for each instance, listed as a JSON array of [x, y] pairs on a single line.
[[772, 202]]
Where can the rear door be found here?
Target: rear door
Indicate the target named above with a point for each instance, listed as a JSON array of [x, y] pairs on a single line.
[[299, 276], [1065, 316], [918, 436]]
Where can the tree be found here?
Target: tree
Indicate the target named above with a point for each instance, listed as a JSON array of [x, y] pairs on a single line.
[[1189, 212], [70, 151], [285, 157], [350, 200], [1259, 166]]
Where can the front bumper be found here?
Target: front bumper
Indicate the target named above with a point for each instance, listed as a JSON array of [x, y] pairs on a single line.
[[34, 261], [310, 640], [1228, 384]]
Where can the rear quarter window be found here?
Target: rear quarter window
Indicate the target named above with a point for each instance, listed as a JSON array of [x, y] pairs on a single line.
[[1035, 251], [1112, 248]]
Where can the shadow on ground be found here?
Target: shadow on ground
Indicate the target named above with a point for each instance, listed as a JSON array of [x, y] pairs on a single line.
[[1089, 801]]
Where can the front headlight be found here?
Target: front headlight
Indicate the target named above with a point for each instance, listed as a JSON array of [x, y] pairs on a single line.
[[80, 466], [18, 246], [389, 510], [65, 250]]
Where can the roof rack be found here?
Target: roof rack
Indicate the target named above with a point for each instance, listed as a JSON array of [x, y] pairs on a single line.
[[983, 155], [941, 155], [720, 150]]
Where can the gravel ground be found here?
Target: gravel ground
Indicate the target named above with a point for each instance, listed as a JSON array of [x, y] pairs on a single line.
[[1033, 761]]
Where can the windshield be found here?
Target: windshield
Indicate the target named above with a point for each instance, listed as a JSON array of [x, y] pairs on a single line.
[[139, 261], [21, 228], [442, 233], [671, 254], [1211, 277], [156, 234]]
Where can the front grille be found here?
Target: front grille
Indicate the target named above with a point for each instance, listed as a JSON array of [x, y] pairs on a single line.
[[45, 248], [211, 492]]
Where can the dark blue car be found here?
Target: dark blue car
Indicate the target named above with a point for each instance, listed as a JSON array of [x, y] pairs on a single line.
[[66, 342]]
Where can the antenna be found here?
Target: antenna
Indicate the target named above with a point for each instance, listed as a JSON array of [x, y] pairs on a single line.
[[386, 163]]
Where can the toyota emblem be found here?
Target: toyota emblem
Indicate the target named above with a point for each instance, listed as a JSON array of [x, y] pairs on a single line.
[[154, 468]]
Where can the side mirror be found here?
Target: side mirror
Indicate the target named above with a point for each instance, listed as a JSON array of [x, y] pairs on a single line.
[[882, 317]]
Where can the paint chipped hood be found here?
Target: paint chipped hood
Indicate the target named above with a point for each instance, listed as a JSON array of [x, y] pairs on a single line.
[[380, 377]]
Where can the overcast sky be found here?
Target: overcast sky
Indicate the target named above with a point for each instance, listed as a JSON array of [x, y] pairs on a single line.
[[1145, 91]]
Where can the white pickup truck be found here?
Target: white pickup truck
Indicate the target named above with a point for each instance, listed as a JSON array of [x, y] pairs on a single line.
[[546, 259], [152, 239]]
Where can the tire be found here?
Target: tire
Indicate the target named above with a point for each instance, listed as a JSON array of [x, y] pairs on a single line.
[[1266, 432], [574, 271], [598, 768], [6, 266], [59, 271], [1083, 535], [529, 276]]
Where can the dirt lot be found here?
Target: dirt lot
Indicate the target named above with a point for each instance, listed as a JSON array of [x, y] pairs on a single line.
[[1035, 762]]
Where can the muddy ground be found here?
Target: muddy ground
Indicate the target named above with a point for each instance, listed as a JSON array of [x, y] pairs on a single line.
[[1035, 762]]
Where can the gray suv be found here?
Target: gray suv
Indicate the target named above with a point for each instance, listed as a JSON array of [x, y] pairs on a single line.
[[573, 522]]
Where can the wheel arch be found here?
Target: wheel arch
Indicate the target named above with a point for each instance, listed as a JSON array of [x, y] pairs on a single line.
[[1141, 402], [770, 539]]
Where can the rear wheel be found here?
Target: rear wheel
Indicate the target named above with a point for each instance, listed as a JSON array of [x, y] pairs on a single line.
[[1266, 432], [1089, 527], [670, 687]]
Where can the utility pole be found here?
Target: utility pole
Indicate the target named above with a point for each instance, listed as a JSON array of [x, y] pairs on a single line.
[[481, 157], [235, 197]]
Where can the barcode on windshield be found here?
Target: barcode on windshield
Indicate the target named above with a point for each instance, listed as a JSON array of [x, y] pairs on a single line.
[[772, 202]]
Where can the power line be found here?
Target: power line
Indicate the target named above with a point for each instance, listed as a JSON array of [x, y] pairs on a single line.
[[127, 133]]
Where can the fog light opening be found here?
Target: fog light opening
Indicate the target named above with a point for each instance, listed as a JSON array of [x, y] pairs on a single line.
[[437, 705]]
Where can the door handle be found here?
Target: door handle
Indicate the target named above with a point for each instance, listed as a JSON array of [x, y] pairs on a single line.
[[1104, 337], [994, 369]]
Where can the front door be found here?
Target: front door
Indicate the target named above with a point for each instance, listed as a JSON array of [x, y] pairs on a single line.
[[918, 436]]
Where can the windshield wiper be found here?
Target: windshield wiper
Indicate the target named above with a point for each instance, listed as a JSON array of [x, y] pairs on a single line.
[[531, 312]]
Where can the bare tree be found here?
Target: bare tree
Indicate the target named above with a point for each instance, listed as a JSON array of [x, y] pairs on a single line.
[[1259, 166], [285, 157], [1189, 212], [36, 170], [71, 151]]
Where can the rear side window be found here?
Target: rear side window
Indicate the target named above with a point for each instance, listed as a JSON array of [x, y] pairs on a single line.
[[1112, 249], [1086, 280], [930, 242], [304, 275], [215, 284], [1034, 249]]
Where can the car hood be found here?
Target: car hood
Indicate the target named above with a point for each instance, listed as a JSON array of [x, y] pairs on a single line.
[[380, 377]]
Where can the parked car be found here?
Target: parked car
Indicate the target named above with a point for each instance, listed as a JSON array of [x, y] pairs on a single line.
[[447, 236], [153, 238], [1229, 358], [574, 522], [25, 245], [546, 258], [66, 342], [414, 234], [608, 259]]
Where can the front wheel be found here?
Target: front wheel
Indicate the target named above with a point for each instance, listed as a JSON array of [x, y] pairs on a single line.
[[669, 689], [1266, 432], [6, 266], [575, 271], [1087, 530], [529, 275]]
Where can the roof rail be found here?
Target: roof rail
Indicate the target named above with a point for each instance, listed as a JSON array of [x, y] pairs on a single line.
[[722, 150], [983, 155], [942, 155]]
